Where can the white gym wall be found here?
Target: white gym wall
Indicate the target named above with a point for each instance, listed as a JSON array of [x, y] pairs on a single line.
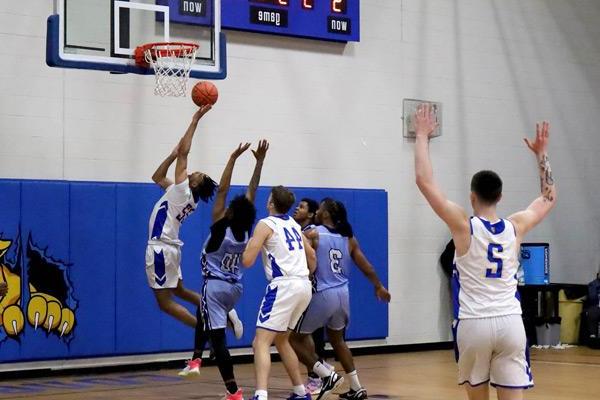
[[332, 113]]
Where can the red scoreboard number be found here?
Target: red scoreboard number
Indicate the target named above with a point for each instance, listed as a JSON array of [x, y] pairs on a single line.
[[308, 4], [336, 6]]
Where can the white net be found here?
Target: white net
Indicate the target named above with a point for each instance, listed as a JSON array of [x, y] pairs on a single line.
[[171, 63]]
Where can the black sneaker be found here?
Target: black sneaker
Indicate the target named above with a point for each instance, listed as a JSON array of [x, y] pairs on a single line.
[[329, 385], [360, 394]]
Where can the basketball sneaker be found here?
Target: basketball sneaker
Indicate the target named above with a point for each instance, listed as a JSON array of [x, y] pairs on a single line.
[[313, 385], [236, 396], [360, 394], [192, 369], [236, 324], [329, 385], [294, 396]]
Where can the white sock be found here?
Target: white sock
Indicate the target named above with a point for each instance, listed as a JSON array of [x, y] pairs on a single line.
[[299, 390], [321, 370], [261, 394], [354, 383]]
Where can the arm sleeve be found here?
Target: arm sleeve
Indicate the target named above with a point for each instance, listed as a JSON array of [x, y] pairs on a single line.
[[217, 235]]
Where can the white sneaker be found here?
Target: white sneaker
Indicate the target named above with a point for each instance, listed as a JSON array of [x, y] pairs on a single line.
[[236, 324], [192, 369]]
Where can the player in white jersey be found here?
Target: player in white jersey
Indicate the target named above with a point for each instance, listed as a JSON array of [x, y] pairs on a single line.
[[287, 257], [163, 253], [491, 346]]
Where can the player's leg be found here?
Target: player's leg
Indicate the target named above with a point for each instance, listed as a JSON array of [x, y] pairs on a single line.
[[480, 392], [262, 360], [225, 363], [289, 358], [186, 294], [510, 370], [192, 368], [164, 276], [164, 298], [509, 394]]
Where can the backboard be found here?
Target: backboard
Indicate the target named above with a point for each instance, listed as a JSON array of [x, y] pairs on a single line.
[[103, 34], [409, 108]]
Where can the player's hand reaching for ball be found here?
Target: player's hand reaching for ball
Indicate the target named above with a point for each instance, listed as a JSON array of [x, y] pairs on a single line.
[[382, 294], [261, 151], [201, 111], [240, 150], [542, 135], [425, 122]]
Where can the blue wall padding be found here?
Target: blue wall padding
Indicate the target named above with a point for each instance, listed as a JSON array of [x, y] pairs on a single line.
[[85, 242]]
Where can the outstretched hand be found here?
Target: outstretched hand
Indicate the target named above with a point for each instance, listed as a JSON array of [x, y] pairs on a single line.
[[240, 150], [201, 111], [261, 151], [425, 122], [542, 135]]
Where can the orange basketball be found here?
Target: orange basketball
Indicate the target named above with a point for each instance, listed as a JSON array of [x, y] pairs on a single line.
[[204, 93]]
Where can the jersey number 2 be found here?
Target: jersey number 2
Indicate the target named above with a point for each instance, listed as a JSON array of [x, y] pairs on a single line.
[[289, 239], [490, 273]]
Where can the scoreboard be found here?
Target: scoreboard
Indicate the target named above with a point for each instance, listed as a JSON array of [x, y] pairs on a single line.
[[334, 20]]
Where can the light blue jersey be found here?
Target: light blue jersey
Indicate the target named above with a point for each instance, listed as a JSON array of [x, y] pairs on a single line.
[[333, 259], [223, 263]]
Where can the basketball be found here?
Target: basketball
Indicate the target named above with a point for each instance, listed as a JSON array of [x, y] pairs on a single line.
[[204, 93]]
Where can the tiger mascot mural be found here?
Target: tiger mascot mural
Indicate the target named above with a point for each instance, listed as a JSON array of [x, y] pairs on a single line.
[[35, 290]]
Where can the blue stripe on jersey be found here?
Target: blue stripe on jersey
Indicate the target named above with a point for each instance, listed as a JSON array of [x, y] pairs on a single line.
[[284, 217], [455, 282], [496, 228], [267, 305], [159, 220], [276, 269], [160, 275]]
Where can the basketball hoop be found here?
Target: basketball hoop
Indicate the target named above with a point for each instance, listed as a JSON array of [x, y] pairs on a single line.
[[171, 63]]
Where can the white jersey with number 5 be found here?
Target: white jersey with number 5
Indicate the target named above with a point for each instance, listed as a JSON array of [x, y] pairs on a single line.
[[484, 279], [283, 253]]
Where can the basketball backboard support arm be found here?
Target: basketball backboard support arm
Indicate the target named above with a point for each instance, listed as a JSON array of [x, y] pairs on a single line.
[[57, 57]]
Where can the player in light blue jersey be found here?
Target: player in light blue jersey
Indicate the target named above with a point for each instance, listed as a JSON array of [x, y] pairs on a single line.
[[163, 252], [222, 274], [304, 215], [336, 249], [491, 345]]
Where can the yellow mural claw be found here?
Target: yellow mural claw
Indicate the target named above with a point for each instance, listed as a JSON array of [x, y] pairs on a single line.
[[14, 321], [37, 311], [68, 321], [4, 245], [54, 316]]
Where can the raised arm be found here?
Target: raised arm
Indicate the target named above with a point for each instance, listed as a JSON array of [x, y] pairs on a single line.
[[451, 213], [218, 210], [260, 153], [160, 175], [185, 144], [367, 269], [527, 219], [311, 255], [261, 233]]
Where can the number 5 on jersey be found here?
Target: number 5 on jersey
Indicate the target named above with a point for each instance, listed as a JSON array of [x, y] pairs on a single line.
[[490, 273]]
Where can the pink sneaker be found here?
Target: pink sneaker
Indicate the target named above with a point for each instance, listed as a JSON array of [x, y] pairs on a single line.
[[313, 385], [236, 396], [192, 368]]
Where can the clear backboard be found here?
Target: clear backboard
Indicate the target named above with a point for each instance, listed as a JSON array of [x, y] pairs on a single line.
[[409, 108], [103, 34]]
